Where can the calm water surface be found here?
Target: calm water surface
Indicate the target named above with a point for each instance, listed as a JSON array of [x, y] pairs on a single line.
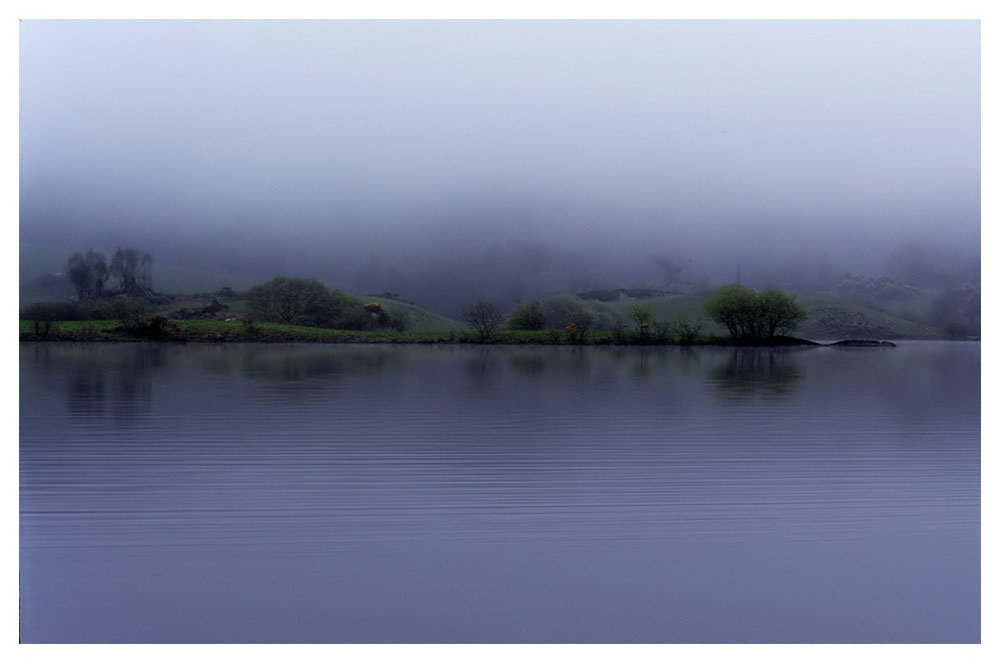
[[267, 493]]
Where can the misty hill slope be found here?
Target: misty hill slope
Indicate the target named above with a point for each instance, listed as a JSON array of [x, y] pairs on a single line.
[[670, 308], [418, 318], [48, 286], [830, 317], [36, 260]]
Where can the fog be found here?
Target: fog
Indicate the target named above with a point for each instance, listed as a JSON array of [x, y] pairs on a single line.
[[512, 159]]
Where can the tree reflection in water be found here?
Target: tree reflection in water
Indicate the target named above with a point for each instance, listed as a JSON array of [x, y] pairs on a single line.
[[105, 382], [748, 372]]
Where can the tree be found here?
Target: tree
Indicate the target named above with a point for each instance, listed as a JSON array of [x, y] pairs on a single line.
[[748, 315], [43, 314], [484, 316], [87, 272], [134, 271], [779, 313], [307, 302], [733, 307], [527, 316], [291, 301], [642, 316], [671, 270], [562, 311], [957, 310]]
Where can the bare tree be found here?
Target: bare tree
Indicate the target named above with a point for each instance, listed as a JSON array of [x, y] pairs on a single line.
[[484, 316], [88, 272], [133, 269]]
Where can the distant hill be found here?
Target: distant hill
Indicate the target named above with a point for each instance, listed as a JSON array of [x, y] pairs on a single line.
[[36, 262], [52, 285], [418, 318], [830, 317], [625, 293]]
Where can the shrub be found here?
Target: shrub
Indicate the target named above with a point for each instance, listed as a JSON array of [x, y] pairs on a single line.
[[307, 302], [99, 309], [528, 316], [293, 301], [575, 334], [686, 329], [604, 317], [563, 310], [382, 318], [159, 325], [132, 313]]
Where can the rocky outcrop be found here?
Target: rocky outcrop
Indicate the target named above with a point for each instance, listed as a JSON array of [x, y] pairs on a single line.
[[214, 311]]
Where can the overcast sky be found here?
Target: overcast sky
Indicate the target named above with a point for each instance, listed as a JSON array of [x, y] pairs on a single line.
[[346, 138]]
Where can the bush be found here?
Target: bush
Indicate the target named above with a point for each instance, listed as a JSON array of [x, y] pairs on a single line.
[[307, 302], [563, 311], [159, 325], [292, 301], [687, 330], [99, 309], [749, 315], [527, 316], [604, 317], [132, 313]]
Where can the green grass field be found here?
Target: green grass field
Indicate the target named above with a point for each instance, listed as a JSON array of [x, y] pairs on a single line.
[[830, 317], [235, 331]]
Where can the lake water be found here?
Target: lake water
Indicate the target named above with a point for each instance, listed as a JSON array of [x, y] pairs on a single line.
[[296, 493]]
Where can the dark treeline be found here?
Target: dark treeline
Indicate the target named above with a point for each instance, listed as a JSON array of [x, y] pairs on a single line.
[[307, 302], [934, 285], [131, 269]]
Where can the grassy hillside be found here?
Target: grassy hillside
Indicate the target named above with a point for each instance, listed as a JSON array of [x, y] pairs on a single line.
[[830, 317], [35, 261], [670, 308], [418, 319]]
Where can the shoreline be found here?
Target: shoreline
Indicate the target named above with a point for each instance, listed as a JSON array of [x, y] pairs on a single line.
[[265, 334]]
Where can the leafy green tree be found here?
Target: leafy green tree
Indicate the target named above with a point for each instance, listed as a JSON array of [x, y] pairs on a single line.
[[484, 316], [747, 314], [527, 316], [732, 306], [778, 313]]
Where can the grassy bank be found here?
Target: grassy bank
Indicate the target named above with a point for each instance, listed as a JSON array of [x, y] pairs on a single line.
[[215, 331]]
